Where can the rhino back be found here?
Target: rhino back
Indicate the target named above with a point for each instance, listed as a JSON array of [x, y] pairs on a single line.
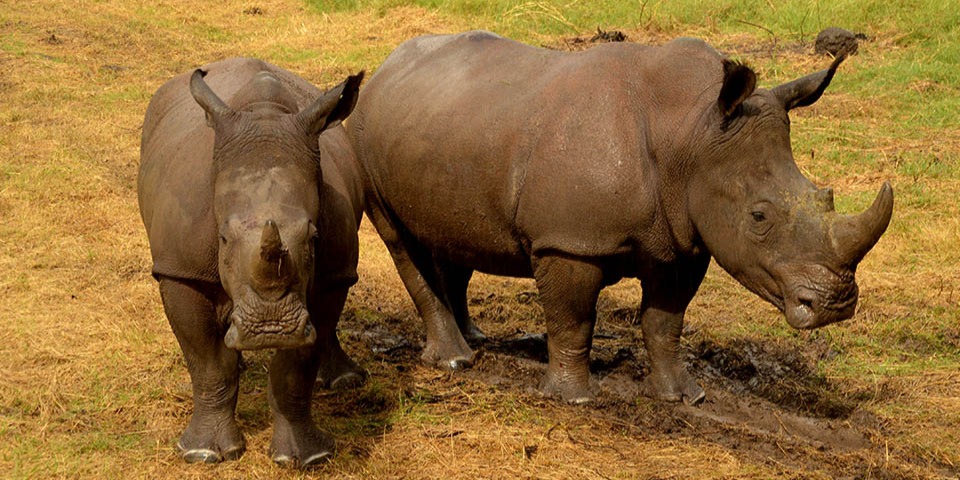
[[483, 145], [175, 183]]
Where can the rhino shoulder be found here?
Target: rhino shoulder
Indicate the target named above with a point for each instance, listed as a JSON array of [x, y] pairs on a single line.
[[341, 200]]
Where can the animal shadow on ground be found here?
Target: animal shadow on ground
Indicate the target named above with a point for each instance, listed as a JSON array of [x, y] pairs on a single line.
[[763, 400]]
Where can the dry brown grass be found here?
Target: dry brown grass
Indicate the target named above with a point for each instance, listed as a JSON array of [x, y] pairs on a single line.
[[92, 384]]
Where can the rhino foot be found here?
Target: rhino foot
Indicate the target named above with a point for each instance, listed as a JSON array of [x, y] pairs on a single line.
[[202, 443], [670, 389], [348, 380], [573, 389], [336, 370], [341, 375], [300, 446], [472, 333], [452, 359], [318, 458], [210, 456]]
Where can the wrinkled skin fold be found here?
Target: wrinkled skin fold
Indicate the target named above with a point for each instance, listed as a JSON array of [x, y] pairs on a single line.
[[579, 169], [251, 198]]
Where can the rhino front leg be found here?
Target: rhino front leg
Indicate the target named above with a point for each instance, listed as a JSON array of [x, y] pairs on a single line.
[[569, 288], [666, 295], [212, 434], [446, 348], [296, 440], [337, 370]]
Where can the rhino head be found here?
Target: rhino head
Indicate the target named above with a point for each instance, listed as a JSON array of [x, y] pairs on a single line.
[[763, 221], [266, 200]]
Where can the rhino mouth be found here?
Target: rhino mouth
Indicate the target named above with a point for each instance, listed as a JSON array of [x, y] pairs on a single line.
[[284, 323], [807, 308]]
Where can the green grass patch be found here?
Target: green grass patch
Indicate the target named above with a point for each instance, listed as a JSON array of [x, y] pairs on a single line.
[[13, 46], [284, 54], [790, 20]]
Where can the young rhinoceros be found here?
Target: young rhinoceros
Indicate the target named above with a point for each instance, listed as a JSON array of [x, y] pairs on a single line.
[[251, 204], [579, 169]]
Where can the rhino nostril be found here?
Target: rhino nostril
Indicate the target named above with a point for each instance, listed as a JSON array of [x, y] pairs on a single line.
[[806, 298]]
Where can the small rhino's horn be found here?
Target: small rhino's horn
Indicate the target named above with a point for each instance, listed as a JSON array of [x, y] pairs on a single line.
[[271, 246]]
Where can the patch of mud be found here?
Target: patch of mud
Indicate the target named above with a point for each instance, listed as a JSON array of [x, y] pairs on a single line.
[[763, 418], [782, 376], [763, 401], [584, 42], [761, 389]]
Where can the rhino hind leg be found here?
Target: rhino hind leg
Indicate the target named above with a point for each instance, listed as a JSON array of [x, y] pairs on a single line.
[[455, 280], [665, 299], [569, 288], [212, 435], [336, 370], [446, 347]]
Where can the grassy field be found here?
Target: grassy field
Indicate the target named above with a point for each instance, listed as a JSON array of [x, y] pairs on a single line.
[[92, 383]]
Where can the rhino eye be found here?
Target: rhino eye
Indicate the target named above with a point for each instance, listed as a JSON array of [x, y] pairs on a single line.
[[223, 239], [758, 217]]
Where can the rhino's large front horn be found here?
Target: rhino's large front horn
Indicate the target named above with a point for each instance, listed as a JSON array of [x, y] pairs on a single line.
[[854, 235]]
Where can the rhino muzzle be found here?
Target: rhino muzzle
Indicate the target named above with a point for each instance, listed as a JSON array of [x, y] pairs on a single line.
[[807, 309], [274, 325], [852, 236]]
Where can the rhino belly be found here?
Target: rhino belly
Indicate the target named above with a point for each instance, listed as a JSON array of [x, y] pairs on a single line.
[[459, 229]]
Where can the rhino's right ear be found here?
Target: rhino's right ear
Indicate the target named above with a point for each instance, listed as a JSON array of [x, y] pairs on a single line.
[[208, 100], [739, 81]]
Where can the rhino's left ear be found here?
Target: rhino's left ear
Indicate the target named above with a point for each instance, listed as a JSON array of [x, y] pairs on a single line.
[[332, 107], [739, 81], [804, 91]]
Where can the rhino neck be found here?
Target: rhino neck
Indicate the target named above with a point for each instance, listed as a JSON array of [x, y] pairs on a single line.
[[675, 107], [677, 172]]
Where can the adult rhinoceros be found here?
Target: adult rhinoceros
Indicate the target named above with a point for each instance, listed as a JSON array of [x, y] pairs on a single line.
[[251, 204], [579, 169]]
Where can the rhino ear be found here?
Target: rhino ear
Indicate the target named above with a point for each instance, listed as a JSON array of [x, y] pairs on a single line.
[[807, 90], [209, 101], [332, 107], [739, 81]]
